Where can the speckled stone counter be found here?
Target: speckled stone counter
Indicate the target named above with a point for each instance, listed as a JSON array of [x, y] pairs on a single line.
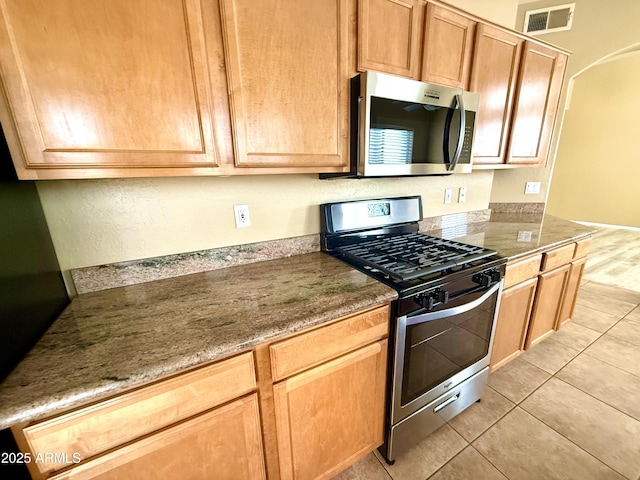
[[517, 235], [109, 341]]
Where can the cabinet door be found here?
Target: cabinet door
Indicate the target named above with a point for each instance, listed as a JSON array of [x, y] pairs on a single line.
[[512, 322], [539, 87], [389, 36], [330, 416], [448, 46], [546, 310], [288, 77], [90, 430], [571, 292], [494, 75], [105, 88], [224, 443]]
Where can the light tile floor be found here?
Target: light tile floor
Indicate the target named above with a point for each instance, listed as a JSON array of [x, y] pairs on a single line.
[[569, 408]]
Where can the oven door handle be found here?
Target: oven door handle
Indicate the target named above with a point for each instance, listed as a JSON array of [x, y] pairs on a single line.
[[425, 317]]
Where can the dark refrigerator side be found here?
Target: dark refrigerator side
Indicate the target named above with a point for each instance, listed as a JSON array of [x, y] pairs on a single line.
[[32, 291]]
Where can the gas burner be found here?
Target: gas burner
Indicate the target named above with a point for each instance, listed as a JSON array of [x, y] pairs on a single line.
[[409, 256]]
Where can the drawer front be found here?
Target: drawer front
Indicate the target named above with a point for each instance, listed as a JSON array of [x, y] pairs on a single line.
[[558, 257], [309, 349], [189, 450], [582, 248], [96, 428], [522, 270]]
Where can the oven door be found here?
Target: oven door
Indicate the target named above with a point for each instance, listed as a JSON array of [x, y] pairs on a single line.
[[438, 350]]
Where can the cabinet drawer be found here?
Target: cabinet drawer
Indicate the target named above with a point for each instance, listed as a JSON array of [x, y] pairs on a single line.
[[557, 257], [192, 449], [324, 343], [96, 428], [582, 247], [522, 270]]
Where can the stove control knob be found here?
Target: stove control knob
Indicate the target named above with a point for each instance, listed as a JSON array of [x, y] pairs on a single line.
[[426, 300], [484, 279], [496, 276], [442, 296]]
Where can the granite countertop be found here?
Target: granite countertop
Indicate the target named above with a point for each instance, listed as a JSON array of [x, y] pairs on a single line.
[[113, 340], [517, 235]]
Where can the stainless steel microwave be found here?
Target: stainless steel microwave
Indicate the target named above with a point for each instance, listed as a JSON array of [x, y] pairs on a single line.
[[402, 127]]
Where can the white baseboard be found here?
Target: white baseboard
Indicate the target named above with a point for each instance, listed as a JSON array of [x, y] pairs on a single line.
[[606, 225]]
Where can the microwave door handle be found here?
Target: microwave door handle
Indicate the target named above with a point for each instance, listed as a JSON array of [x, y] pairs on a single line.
[[461, 130]]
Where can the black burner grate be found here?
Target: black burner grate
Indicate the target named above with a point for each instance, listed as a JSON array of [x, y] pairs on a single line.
[[405, 257]]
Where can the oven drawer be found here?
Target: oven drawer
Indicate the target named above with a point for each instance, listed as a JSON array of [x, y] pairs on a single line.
[[324, 343], [432, 416], [113, 422]]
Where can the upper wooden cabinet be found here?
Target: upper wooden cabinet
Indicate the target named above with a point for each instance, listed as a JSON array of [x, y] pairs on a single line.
[[227, 87], [448, 47], [538, 93], [96, 88], [494, 76], [519, 83], [519, 79], [389, 35], [288, 75]]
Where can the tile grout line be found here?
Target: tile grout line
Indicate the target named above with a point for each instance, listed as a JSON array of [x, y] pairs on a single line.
[[571, 441], [496, 421]]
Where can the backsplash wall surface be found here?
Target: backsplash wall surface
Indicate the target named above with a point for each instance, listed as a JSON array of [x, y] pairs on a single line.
[[95, 222]]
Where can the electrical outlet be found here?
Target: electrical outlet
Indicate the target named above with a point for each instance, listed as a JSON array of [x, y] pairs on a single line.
[[448, 193], [532, 188], [462, 194], [242, 216]]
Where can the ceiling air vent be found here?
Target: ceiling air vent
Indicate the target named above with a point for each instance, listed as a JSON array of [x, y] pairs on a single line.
[[550, 19]]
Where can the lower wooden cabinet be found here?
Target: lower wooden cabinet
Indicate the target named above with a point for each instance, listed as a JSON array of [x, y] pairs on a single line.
[[513, 321], [225, 443], [548, 301], [305, 407], [571, 291], [331, 415], [539, 297]]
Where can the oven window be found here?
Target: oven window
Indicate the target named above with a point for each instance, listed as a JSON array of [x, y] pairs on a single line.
[[438, 349], [405, 133]]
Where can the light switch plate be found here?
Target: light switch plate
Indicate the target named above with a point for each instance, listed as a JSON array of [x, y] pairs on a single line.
[[448, 194]]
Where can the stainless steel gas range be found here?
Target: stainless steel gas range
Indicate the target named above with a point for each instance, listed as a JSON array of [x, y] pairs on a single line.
[[443, 321]]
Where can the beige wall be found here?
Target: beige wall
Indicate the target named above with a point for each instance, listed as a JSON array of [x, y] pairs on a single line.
[[94, 222], [104, 221], [598, 169], [502, 12], [598, 31]]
